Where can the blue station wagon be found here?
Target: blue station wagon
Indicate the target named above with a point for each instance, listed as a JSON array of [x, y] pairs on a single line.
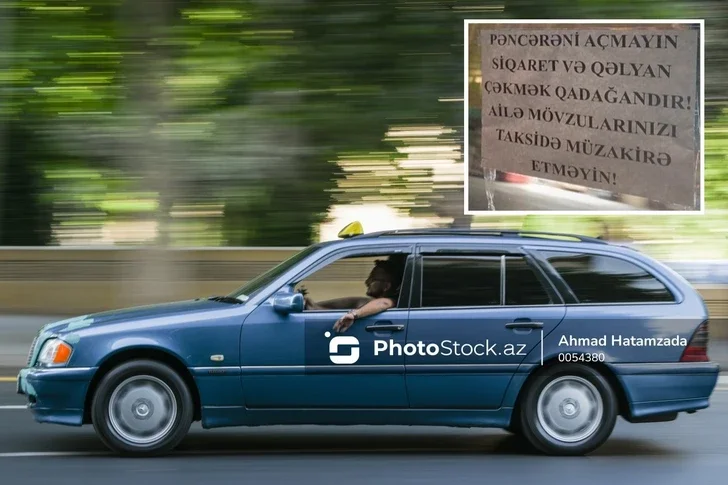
[[549, 336]]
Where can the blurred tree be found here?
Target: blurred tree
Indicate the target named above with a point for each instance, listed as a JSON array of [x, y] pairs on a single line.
[[35, 56], [249, 105], [351, 71], [25, 211]]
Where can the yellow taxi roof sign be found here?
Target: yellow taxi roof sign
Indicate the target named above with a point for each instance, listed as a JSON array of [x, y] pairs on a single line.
[[353, 229]]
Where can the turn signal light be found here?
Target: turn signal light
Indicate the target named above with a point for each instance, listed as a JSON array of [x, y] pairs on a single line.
[[55, 352]]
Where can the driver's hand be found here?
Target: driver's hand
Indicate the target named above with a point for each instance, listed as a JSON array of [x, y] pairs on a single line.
[[343, 323]]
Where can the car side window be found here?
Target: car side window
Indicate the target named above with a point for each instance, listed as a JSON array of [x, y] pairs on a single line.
[[452, 281], [523, 286], [352, 281], [595, 278]]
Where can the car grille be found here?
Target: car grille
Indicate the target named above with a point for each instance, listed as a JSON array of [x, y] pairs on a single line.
[[32, 351]]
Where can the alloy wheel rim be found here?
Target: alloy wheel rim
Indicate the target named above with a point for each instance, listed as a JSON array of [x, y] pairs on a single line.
[[142, 410], [570, 409]]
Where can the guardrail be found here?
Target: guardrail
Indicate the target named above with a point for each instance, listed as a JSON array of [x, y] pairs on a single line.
[[74, 281]]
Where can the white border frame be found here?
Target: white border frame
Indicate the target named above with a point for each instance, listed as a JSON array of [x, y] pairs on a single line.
[[466, 120]]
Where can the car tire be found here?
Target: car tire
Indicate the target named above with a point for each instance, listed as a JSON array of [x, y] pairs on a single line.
[[142, 408], [557, 420]]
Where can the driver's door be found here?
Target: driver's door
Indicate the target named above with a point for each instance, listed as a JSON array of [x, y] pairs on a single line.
[[297, 361]]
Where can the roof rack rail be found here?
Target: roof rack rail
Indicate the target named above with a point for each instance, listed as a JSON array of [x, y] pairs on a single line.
[[481, 232]]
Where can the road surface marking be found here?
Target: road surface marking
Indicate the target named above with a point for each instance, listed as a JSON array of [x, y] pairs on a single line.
[[12, 407], [8, 379]]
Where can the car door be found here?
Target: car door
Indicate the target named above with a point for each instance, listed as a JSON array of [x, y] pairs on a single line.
[[297, 361], [477, 312]]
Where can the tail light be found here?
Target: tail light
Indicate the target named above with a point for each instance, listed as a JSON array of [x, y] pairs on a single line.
[[697, 349]]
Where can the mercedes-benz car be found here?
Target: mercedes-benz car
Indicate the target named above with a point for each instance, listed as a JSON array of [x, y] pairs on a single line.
[[548, 336]]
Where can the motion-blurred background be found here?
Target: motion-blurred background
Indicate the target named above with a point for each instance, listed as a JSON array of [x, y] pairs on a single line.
[[135, 132]]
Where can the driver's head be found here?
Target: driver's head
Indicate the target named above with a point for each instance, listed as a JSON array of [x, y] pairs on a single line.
[[384, 279]]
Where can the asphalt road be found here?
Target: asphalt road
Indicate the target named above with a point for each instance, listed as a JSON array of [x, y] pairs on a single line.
[[693, 449], [534, 197], [16, 334]]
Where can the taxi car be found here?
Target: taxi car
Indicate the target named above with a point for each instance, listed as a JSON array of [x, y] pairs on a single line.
[[549, 336]]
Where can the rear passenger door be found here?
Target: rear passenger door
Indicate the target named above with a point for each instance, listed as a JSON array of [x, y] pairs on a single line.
[[476, 314]]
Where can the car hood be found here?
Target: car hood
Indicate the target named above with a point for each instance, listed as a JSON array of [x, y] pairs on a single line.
[[135, 314]]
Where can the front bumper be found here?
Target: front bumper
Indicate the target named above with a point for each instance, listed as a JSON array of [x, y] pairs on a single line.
[[56, 395]]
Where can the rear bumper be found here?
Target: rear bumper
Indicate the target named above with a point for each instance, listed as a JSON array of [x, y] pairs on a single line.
[[56, 395], [656, 389]]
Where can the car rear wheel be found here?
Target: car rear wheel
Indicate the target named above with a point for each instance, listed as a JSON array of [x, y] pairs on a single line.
[[568, 410], [142, 408]]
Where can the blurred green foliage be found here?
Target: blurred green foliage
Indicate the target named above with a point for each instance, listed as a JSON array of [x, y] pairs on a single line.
[[227, 122]]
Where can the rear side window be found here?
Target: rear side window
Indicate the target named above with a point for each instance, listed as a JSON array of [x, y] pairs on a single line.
[[455, 281], [605, 279], [523, 286]]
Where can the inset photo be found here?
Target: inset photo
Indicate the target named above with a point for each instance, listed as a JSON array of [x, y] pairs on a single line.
[[568, 116]]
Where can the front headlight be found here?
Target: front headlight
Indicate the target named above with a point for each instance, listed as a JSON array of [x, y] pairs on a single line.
[[55, 352]]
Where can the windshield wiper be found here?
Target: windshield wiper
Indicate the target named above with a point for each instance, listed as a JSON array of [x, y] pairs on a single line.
[[225, 299]]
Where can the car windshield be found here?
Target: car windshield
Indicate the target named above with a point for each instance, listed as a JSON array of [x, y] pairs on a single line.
[[256, 284]]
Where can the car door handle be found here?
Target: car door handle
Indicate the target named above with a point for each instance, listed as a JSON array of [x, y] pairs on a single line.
[[524, 325], [384, 327]]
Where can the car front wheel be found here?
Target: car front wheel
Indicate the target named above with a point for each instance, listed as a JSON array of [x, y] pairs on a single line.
[[142, 408], [568, 410]]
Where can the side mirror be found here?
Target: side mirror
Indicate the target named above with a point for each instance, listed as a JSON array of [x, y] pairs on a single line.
[[288, 303]]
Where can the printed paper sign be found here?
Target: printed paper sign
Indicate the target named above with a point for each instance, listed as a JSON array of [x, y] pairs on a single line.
[[602, 107]]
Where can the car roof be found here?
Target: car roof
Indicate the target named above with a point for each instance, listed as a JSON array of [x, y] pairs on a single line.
[[477, 236]]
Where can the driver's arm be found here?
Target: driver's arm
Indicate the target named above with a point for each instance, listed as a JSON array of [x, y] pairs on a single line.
[[372, 307], [344, 303]]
